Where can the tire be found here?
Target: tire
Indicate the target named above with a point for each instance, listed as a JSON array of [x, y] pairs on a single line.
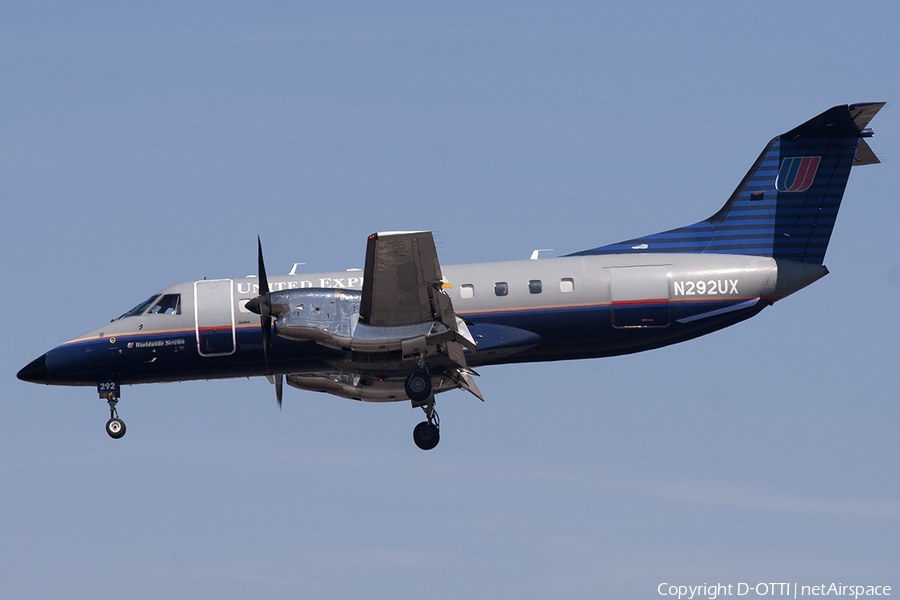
[[115, 427], [426, 435], [418, 386]]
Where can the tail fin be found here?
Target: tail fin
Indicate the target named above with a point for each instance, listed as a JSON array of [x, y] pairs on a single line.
[[787, 204]]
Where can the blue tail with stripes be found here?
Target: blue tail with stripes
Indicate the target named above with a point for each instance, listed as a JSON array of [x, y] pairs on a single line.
[[787, 204]]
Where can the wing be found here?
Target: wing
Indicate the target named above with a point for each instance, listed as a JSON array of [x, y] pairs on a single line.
[[400, 277], [403, 288], [401, 323]]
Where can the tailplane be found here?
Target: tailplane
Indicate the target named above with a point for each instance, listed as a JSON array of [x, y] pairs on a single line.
[[787, 204]]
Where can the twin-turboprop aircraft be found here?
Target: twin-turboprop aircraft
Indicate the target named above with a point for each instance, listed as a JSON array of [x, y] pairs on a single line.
[[406, 328]]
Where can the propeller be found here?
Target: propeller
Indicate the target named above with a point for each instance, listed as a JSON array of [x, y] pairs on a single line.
[[262, 305]]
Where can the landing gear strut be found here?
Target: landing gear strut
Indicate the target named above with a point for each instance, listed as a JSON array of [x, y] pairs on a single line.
[[115, 427], [427, 434]]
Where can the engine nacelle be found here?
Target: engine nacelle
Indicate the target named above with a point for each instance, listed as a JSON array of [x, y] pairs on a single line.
[[363, 388], [331, 317], [324, 315]]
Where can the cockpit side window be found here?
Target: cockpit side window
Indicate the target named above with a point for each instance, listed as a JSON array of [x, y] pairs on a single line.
[[139, 309], [169, 304]]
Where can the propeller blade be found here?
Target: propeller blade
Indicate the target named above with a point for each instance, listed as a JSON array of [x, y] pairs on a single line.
[[264, 303], [279, 389], [265, 321], [278, 382], [263, 281]]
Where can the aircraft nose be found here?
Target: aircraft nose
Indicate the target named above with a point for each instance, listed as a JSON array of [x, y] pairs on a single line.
[[35, 371]]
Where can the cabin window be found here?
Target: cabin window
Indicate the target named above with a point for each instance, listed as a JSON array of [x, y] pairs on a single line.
[[467, 290], [566, 284], [169, 304], [501, 288], [535, 286]]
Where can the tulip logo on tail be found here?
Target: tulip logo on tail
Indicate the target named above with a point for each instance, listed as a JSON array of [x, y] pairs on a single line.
[[797, 173]]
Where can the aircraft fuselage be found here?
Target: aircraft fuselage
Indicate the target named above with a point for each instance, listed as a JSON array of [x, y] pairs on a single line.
[[518, 311]]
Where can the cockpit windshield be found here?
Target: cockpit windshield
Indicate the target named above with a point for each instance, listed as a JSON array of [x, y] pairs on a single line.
[[169, 304], [139, 309], [166, 304]]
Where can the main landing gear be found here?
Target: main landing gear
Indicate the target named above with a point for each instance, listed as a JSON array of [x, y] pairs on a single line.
[[418, 388], [115, 427], [427, 434]]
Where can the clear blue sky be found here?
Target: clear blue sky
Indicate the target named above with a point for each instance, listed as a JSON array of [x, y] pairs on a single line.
[[142, 146]]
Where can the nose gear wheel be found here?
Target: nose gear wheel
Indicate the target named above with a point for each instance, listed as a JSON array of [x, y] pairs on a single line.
[[115, 427]]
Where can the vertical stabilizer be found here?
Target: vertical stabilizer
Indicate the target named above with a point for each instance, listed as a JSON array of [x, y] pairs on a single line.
[[787, 204]]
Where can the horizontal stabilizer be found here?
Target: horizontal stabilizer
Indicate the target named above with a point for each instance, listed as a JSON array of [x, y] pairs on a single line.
[[864, 155], [837, 122]]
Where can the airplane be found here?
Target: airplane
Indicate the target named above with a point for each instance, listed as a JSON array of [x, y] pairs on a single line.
[[405, 328]]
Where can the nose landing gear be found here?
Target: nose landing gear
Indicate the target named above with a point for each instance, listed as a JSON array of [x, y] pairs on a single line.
[[109, 391]]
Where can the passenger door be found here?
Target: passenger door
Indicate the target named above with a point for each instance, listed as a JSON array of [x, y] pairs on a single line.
[[214, 317]]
